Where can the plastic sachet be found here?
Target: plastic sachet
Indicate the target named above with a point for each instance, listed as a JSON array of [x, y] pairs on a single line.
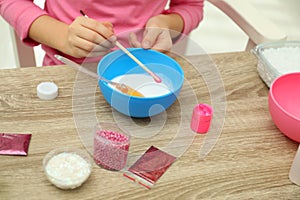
[[150, 167], [14, 144]]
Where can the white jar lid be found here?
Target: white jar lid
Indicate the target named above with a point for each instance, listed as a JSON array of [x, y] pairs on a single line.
[[47, 90]]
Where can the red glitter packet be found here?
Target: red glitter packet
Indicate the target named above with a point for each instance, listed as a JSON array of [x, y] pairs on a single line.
[[150, 167], [14, 144]]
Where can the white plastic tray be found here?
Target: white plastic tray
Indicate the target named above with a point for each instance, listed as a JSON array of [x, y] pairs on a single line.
[[276, 59]]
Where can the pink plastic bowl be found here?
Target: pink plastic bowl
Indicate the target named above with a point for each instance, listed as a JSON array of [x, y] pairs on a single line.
[[284, 104]]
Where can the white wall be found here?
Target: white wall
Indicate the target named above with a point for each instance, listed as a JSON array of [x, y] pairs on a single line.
[[7, 49], [218, 34]]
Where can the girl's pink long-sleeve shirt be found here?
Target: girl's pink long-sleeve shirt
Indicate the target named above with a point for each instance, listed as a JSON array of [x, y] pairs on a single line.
[[124, 15]]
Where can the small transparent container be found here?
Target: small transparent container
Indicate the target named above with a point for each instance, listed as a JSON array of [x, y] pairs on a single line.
[[276, 58], [67, 168], [294, 173], [111, 146]]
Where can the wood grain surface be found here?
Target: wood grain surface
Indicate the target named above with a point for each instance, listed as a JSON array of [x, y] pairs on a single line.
[[251, 159]]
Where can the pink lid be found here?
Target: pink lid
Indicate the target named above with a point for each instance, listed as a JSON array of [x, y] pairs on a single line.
[[202, 115]]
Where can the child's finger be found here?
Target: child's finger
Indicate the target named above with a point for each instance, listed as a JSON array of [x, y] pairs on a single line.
[[150, 37], [133, 40], [103, 29]]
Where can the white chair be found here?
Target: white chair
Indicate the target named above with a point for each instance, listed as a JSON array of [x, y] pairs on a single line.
[[13, 53], [24, 54], [258, 28]]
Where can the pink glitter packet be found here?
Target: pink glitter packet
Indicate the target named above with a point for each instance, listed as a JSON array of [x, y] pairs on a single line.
[[150, 167], [14, 144]]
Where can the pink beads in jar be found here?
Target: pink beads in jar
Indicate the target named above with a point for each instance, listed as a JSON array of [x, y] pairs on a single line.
[[111, 146]]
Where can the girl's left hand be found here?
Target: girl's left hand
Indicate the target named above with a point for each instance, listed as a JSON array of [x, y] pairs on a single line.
[[154, 38], [159, 32]]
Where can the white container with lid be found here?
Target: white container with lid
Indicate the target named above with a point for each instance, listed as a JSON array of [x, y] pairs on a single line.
[[276, 59]]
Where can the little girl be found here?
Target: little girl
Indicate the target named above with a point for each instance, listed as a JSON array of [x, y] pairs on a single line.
[[61, 28]]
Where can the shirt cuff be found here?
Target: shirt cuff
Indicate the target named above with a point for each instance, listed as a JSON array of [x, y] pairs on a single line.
[[191, 18]]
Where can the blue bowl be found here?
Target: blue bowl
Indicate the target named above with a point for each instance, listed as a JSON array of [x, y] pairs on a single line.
[[118, 63]]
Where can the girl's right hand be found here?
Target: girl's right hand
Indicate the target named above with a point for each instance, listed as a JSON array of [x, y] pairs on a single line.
[[87, 37]]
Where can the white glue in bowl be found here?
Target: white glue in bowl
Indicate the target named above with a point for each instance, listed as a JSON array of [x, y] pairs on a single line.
[[144, 84], [157, 96], [67, 168]]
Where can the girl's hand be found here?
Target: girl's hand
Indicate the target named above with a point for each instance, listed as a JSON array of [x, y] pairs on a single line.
[[154, 38], [87, 37], [160, 32]]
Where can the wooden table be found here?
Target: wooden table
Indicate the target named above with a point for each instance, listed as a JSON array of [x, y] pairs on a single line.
[[251, 159]]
